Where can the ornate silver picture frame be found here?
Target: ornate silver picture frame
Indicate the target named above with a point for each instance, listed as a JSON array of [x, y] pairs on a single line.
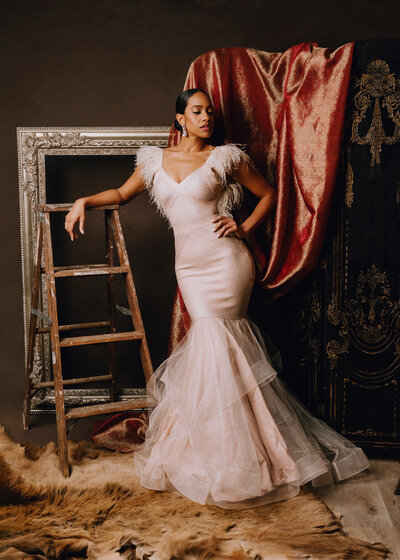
[[34, 144]]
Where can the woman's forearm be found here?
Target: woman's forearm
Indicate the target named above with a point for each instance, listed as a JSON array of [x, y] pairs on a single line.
[[131, 188], [265, 206], [103, 198]]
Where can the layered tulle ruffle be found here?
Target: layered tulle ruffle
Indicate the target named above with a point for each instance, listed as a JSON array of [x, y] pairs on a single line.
[[225, 430]]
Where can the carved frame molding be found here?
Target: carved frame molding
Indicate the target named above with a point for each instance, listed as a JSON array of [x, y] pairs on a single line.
[[33, 145]]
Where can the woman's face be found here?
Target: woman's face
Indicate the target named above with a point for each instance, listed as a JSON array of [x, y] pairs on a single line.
[[198, 116]]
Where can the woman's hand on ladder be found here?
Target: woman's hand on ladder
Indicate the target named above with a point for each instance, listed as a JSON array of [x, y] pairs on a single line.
[[76, 214]]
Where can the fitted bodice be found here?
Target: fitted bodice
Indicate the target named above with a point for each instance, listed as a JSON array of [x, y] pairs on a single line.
[[191, 200], [207, 191], [215, 273]]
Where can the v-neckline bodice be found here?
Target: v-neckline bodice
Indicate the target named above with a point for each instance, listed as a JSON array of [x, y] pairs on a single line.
[[187, 176]]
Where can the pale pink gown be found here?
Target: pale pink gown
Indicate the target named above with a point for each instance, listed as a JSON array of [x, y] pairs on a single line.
[[223, 428]]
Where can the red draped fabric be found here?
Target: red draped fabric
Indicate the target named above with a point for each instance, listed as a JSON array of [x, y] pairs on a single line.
[[288, 108]]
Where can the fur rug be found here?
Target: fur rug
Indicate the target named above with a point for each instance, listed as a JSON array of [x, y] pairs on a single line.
[[102, 513]]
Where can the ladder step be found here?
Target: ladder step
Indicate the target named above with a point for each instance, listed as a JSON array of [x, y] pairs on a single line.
[[105, 408], [101, 338], [64, 206], [67, 267], [90, 271], [76, 326], [76, 381]]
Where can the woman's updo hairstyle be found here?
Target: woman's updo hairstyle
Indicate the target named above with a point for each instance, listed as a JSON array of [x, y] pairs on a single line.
[[181, 103]]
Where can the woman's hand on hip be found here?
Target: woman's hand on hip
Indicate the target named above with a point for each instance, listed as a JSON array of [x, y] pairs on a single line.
[[227, 226], [76, 214]]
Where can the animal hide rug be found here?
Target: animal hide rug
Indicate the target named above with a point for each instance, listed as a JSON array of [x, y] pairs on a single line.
[[102, 513]]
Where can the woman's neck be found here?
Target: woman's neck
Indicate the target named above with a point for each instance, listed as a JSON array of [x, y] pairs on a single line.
[[194, 144]]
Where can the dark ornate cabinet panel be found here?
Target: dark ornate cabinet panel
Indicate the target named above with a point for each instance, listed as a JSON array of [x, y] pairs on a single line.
[[362, 350], [339, 330]]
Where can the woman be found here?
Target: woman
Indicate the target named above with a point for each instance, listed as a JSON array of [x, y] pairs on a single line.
[[223, 428]]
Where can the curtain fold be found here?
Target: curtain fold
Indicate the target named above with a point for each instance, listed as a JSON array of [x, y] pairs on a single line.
[[288, 108]]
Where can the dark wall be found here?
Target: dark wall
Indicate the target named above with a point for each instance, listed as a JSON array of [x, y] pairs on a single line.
[[122, 63]]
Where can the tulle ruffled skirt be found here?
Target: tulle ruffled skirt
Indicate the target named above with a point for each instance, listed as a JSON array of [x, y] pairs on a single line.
[[225, 430]]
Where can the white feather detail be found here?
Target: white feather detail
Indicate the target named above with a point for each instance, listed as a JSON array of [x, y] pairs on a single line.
[[225, 159], [149, 160]]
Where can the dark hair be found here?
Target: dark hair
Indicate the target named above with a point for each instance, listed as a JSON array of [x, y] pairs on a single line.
[[181, 103]]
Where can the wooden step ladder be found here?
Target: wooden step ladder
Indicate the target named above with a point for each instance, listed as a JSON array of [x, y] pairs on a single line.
[[114, 239]]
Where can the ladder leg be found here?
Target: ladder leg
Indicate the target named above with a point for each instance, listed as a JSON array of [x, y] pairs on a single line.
[[131, 293], [32, 327], [55, 350], [111, 305]]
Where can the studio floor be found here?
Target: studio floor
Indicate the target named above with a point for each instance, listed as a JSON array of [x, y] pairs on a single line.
[[369, 508]]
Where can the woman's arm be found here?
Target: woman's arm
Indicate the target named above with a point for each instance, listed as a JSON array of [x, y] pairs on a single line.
[[255, 182], [131, 188]]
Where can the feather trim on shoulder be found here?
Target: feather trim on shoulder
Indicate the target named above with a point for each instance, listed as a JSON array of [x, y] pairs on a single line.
[[149, 160], [227, 158]]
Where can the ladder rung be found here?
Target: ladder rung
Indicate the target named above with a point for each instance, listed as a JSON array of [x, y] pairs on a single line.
[[76, 381], [101, 338], [63, 206], [76, 326], [91, 271], [105, 408], [69, 266]]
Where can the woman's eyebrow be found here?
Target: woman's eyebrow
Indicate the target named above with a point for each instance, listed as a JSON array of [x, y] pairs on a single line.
[[201, 106]]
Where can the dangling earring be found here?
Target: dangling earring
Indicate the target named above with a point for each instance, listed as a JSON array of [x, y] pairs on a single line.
[[184, 130]]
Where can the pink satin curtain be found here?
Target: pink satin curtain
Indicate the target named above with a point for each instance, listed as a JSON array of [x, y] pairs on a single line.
[[288, 108]]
